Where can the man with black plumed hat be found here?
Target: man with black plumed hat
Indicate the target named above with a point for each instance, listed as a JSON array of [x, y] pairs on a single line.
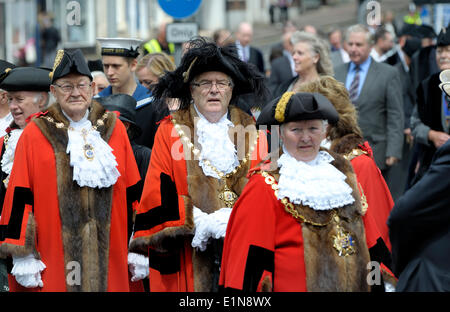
[[65, 219], [298, 225], [198, 167], [430, 119]]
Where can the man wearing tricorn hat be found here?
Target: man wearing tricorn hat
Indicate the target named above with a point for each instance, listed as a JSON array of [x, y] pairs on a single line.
[[431, 118], [119, 57], [26, 93], [198, 167], [297, 225], [66, 209]]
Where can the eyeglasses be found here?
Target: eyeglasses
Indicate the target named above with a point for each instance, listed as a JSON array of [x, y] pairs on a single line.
[[68, 88], [206, 85]]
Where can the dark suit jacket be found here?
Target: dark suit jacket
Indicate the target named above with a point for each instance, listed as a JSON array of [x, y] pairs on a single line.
[[280, 71], [380, 110], [429, 108], [419, 230], [256, 57]]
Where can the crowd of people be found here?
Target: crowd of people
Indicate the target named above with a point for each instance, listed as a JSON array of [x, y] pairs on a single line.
[[225, 172]]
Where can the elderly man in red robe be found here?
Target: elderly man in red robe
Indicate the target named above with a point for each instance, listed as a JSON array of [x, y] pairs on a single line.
[[65, 218]]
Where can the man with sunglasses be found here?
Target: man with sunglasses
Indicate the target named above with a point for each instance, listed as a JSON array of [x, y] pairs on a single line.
[[198, 167], [68, 206]]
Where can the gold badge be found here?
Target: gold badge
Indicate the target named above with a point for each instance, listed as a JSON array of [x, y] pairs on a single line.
[[228, 197], [343, 242]]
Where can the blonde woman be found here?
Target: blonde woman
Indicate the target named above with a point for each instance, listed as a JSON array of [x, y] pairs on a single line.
[[153, 66], [311, 60]]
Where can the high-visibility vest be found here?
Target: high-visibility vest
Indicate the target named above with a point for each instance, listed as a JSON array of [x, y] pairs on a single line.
[[153, 46]]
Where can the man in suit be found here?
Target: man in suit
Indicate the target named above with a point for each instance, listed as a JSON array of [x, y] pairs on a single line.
[[376, 91], [419, 230], [247, 53], [431, 118], [282, 68]]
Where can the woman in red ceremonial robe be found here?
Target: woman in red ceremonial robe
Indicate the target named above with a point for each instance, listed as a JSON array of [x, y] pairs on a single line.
[[298, 223]]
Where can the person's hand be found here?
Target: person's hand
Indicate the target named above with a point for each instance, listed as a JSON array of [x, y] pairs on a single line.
[[27, 271], [391, 160], [138, 266], [408, 136], [438, 137]]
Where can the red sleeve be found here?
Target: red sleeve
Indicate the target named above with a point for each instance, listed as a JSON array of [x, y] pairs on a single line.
[[377, 194], [251, 226], [164, 196], [17, 220]]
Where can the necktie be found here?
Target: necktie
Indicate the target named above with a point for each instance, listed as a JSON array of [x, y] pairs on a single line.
[[244, 55], [353, 92]]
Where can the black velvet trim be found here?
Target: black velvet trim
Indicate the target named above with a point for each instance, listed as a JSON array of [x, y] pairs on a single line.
[[22, 196], [3, 176], [132, 196], [258, 260], [380, 253], [168, 211], [165, 263]]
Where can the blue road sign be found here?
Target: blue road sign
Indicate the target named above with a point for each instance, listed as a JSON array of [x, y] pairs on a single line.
[[179, 8]]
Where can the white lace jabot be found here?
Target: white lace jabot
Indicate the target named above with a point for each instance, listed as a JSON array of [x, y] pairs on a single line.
[[317, 184], [8, 156], [97, 171], [216, 145]]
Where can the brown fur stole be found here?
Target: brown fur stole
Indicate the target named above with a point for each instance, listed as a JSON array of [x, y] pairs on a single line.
[[85, 212], [325, 269]]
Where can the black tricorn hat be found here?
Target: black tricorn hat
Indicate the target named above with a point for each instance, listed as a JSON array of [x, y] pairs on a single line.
[[5, 67], [204, 56], [126, 106], [298, 106], [67, 62], [95, 65], [443, 38], [26, 79]]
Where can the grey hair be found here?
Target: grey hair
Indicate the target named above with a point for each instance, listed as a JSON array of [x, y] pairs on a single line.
[[358, 28], [41, 96], [318, 47]]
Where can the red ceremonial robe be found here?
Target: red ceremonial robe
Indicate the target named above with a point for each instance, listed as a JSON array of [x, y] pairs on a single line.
[[266, 249], [174, 184], [80, 234]]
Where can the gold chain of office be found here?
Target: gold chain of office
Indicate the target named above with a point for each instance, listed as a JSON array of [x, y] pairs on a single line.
[[226, 195]]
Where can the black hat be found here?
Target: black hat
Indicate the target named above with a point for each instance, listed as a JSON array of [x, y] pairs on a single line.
[[298, 106], [411, 46], [126, 106], [425, 31], [95, 65], [443, 38], [26, 79], [204, 56], [409, 30], [126, 47], [67, 62], [4, 68]]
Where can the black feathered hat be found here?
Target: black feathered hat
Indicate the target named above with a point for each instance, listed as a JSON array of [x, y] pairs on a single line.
[[67, 62], [126, 106], [26, 79], [443, 38], [205, 56], [298, 106]]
